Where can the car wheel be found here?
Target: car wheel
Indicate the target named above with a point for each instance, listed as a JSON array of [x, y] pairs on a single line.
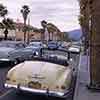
[[18, 91]]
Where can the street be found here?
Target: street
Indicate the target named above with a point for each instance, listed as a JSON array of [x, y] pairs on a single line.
[[11, 93], [3, 72]]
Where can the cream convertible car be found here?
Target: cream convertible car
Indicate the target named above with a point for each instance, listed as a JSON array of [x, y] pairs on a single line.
[[50, 74]]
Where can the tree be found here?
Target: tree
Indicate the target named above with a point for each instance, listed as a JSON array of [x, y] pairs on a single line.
[[25, 11], [6, 22], [3, 11], [44, 25], [95, 43], [93, 9], [6, 25], [84, 18], [54, 31]]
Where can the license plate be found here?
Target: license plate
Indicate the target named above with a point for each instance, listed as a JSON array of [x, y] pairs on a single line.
[[35, 85]]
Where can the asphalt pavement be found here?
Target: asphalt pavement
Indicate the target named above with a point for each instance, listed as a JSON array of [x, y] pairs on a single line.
[[3, 72], [83, 79]]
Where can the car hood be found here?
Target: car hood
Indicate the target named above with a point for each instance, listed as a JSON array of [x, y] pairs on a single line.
[[48, 74], [6, 49], [31, 47], [4, 52]]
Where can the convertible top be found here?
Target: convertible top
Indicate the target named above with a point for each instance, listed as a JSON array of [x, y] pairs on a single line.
[[54, 59]]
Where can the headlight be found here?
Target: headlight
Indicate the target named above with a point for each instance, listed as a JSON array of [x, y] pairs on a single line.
[[35, 53], [7, 78]]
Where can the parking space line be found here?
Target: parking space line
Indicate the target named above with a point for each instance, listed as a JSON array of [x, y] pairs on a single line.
[[6, 93]]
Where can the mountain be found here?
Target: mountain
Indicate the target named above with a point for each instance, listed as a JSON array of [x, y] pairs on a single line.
[[75, 34]]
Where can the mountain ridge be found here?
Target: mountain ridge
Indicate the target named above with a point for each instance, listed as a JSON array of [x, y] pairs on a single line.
[[74, 34]]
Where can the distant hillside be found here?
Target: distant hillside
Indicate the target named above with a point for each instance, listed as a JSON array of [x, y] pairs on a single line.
[[74, 34]]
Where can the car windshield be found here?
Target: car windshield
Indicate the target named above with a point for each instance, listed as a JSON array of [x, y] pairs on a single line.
[[35, 44], [52, 43]]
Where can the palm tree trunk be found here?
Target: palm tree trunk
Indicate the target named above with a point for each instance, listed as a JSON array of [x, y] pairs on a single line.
[[6, 34], [95, 45], [24, 30]]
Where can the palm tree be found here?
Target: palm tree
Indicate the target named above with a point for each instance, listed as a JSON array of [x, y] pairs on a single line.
[[52, 29], [25, 11], [94, 40], [84, 22], [44, 25], [6, 25], [3, 11]]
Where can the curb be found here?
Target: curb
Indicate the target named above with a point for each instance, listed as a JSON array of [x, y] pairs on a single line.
[[77, 81]]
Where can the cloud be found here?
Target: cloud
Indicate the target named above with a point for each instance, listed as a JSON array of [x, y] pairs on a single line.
[[64, 13]]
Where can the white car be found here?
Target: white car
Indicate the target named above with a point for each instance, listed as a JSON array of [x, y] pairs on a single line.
[[74, 49], [44, 76]]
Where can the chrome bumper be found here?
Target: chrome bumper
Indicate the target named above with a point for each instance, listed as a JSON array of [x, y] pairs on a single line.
[[5, 60], [38, 91]]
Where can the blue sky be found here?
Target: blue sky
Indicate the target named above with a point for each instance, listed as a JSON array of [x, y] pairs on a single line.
[[63, 13]]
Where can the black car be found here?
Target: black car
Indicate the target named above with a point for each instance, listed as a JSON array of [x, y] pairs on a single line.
[[7, 48]]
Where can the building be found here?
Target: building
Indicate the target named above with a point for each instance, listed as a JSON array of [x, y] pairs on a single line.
[[31, 34], [18, 34]]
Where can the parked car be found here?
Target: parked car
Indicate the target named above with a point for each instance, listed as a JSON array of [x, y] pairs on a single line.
[[53, 45], [64, 45], [13, 44], [18, 56], [35, 46], [7, 48], [74, 49], [44, 75]]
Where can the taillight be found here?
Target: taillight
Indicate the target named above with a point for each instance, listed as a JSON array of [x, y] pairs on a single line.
[[63, 87], [44, 87], [14, 80], [57, 87], [8, 79]]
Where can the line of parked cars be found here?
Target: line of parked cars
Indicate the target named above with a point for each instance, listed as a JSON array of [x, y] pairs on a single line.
[[39, 69], [15, 52]]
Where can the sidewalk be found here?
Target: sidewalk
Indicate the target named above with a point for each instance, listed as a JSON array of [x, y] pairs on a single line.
[[81, 92]]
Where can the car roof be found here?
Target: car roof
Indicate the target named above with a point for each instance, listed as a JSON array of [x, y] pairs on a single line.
[[34, 42], [12, 42]]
